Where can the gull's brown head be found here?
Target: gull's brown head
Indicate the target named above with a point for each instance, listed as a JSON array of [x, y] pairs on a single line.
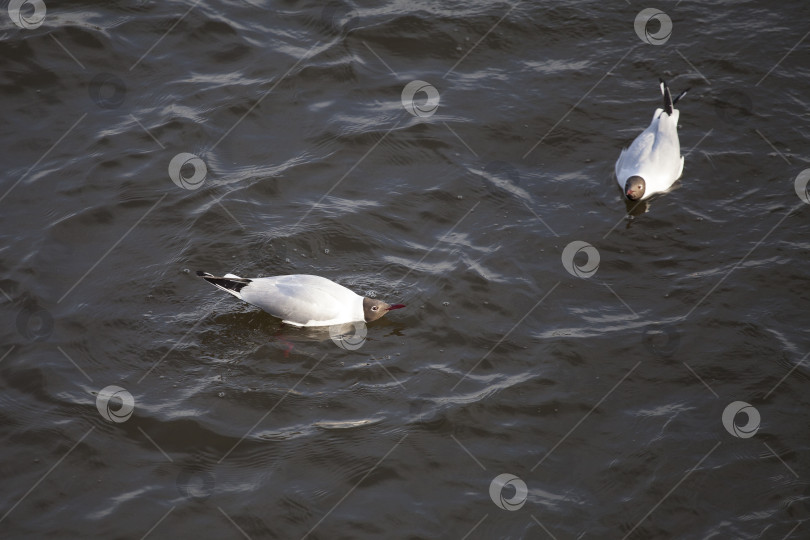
[[634, 188], [373, 309]]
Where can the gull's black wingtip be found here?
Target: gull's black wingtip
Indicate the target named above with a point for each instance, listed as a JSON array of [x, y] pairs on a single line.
[[677, 99], [201, 273]]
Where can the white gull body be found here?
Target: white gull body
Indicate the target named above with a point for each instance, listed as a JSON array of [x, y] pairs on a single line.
[[301, 299], [653, 162]]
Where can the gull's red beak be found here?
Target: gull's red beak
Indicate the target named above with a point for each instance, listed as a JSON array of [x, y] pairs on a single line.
[[395, 306]]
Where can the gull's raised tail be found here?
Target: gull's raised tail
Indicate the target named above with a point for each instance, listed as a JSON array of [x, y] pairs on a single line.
[[669, 103], [229, 283]]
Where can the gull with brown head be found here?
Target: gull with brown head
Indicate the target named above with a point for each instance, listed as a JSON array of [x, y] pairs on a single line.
[[302, 299], [653, 162]]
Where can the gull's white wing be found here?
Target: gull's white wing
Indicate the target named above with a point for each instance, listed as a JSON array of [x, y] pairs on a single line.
[[303, 299]]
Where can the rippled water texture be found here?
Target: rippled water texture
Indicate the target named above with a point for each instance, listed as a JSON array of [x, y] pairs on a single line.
[[562, 369]]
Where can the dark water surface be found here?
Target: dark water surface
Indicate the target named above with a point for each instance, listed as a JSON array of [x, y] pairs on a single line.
[[602, 390]]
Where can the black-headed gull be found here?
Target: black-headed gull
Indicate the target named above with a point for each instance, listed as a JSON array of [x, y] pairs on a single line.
[[653, 162], [302, 300]]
